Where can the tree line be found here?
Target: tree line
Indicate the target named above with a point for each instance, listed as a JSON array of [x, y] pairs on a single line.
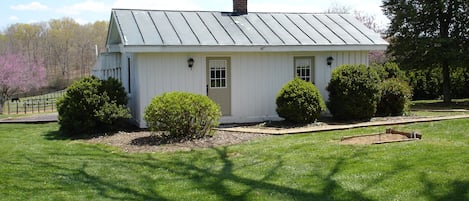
[[429, 40], [65, 48], [430, 35]]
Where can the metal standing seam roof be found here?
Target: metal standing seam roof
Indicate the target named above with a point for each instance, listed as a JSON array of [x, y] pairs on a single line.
[[201, 28]]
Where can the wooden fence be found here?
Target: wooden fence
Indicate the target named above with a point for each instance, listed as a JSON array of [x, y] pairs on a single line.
[[36, 104]]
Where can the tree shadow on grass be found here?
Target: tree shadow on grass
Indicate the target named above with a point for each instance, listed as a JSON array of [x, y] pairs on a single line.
[[159, 138], [459, 190], [83, 179], [90, 169], [440, 105], [216, 181], [220, 182], [60, 135], [55, 135]]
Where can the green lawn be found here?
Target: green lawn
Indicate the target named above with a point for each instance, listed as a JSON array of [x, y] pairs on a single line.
[[36, 164], [439, 105], [438, 108], [42, 104]]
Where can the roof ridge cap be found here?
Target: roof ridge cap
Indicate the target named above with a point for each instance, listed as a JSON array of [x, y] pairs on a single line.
[[253, 12]]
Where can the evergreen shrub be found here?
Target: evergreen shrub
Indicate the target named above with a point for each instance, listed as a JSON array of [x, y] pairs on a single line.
[[426, 84], [354, 92], [389, 70], [182, 116], [91, 105], [299, 102], [396, 96]]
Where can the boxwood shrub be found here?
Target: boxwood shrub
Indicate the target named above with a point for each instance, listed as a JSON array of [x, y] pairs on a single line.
[[299, 102], [91, 105], [460, 82], [389, 70], [426, 84], [395, 98], [182, 116], [354, 92]]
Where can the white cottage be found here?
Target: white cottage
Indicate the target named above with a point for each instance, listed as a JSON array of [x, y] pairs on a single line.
[[238, 59]]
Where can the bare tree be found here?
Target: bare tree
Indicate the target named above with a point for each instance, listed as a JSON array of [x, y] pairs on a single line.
[[369, 21], [66, 48]]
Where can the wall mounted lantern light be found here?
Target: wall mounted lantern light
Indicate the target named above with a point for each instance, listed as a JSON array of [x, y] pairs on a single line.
[[190, 62], [329, 61]]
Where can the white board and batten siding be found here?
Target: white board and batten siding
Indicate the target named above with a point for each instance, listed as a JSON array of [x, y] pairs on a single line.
[[256, 79]]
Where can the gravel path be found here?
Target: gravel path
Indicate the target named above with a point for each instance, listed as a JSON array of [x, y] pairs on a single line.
[[38, 118]]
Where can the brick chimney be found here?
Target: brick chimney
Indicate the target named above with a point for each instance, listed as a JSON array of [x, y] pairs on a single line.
[[240, 7]]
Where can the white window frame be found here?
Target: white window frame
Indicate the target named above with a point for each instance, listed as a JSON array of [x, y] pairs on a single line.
[[221, 79], [303, 68]]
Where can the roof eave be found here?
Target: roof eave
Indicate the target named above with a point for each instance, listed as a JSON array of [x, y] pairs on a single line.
[[252, 48]]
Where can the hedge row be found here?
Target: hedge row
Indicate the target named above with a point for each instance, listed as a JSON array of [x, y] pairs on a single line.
[[357, 92], [427, 84]]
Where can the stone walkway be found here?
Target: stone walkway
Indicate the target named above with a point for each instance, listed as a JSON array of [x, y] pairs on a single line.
[[330, 127], [36, 118]]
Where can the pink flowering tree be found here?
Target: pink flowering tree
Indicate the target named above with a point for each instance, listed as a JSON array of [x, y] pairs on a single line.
[[378, 57], [17, 75]]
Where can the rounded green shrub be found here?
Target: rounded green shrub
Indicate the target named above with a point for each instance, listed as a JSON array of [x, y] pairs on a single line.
[[389, 70], [91, 105], [182, 116], [354, 92], [426, 84], [459, 82], [395, 98], [299, 102], [115, 90]]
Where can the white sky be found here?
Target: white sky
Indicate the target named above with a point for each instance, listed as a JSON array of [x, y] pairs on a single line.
[[86, 11]]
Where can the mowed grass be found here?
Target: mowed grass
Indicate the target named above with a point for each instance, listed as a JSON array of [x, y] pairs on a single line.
[[42, 104], [438, 108], [36, 164]]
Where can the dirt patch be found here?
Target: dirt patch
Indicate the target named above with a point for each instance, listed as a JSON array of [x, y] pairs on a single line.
[[373, 139], [144, 141], [380, 138]]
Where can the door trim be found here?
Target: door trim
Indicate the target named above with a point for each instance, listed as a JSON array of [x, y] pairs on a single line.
[[220, 95]]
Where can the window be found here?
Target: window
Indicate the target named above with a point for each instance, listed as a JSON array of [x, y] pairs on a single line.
[[304, 68], [129, 71], [218, 73]]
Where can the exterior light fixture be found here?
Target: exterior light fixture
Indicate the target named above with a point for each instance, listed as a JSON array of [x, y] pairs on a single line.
[[329, 61], [190, 62]]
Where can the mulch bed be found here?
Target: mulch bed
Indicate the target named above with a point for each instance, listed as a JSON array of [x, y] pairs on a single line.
[[145, 141]]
